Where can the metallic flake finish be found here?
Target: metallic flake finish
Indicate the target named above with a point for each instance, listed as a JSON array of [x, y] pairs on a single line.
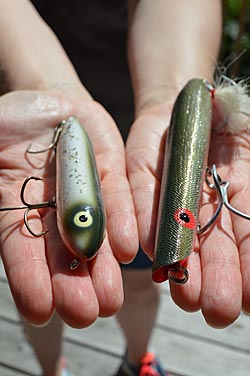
[[183, 176]]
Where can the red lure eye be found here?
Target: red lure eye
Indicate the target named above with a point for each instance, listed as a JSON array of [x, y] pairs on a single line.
[[185, 218]]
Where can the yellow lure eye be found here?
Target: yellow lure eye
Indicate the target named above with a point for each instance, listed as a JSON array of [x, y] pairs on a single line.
[[83, 219]]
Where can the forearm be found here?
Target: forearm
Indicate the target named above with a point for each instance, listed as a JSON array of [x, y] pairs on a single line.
[[31, 57], [169, 43]]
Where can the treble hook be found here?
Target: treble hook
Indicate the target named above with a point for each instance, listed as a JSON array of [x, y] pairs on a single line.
[[53, 144], [51, 203], [174, 271], [221, 187], [28, 206]]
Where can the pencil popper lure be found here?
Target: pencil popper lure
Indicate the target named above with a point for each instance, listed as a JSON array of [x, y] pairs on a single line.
[[185, 171], [79, 204]]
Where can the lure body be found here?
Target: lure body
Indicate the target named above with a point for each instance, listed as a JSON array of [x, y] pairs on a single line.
[[183, 177], [80, 210]]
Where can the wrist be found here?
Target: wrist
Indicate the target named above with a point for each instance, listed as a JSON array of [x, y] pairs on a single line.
[[180, 44], [149, 96]]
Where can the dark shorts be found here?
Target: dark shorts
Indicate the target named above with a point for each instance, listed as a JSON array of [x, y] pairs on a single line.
[[141, 261]]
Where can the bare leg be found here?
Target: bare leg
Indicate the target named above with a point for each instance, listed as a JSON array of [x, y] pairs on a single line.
[[47, 345], [138, 314]]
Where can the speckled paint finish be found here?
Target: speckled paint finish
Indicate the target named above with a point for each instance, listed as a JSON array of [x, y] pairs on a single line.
[[80, 210]]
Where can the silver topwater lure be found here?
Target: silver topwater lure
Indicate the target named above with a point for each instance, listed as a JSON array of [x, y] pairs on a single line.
[[79, 204]]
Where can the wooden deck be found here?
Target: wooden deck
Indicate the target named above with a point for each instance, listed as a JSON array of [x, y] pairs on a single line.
[[185, 344]]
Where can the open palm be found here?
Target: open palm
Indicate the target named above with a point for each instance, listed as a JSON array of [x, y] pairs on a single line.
[[219, 267], [38, 268]]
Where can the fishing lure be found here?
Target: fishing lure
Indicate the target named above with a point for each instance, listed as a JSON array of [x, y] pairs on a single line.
[[79, 204], [80, 210], [184, 172], [183, 175]]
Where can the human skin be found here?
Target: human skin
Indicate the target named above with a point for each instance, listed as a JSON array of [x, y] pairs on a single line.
[[44, 90], [219, 267], [169, 43]]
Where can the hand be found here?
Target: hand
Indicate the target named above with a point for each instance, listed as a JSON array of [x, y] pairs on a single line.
[[38, 268], [219, 267]]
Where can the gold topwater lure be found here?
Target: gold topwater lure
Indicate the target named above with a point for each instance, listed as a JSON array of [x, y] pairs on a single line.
[[79, 204], [184, 172]]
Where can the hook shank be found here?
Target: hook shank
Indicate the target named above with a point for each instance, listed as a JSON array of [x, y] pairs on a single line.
[[221, 187], [28, 206]]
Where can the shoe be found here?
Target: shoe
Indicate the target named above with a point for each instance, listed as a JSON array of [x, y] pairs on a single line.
[[65, 369], [149, 366]]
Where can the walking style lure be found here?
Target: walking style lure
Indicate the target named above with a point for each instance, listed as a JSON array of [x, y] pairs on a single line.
[[185, 170], [79, 204], [182, 181], [80, 210]]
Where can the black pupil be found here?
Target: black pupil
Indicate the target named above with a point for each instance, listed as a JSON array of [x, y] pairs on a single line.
[[83, 218], [185, 217]]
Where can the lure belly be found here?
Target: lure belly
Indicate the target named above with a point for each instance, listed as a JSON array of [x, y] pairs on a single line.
[[80, 210], [182, 181]]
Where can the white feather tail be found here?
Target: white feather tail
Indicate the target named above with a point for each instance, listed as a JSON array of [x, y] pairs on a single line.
[[232, 102]]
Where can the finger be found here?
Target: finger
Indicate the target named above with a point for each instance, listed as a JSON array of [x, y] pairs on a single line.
[[121, 221], [220, 281], [242, 234], [144, 152], [110, 155], [187, 296], [26, 267], [146, 192], [74, 294], [107, 281], [221, 278]]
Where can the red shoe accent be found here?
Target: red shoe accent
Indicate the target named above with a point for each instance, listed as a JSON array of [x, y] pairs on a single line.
[[150, 366]]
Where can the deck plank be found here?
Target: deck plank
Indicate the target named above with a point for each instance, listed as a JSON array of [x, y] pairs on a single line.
[[11, 372], [15, 353], [179, 352], [184, 342], [173, 319]]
